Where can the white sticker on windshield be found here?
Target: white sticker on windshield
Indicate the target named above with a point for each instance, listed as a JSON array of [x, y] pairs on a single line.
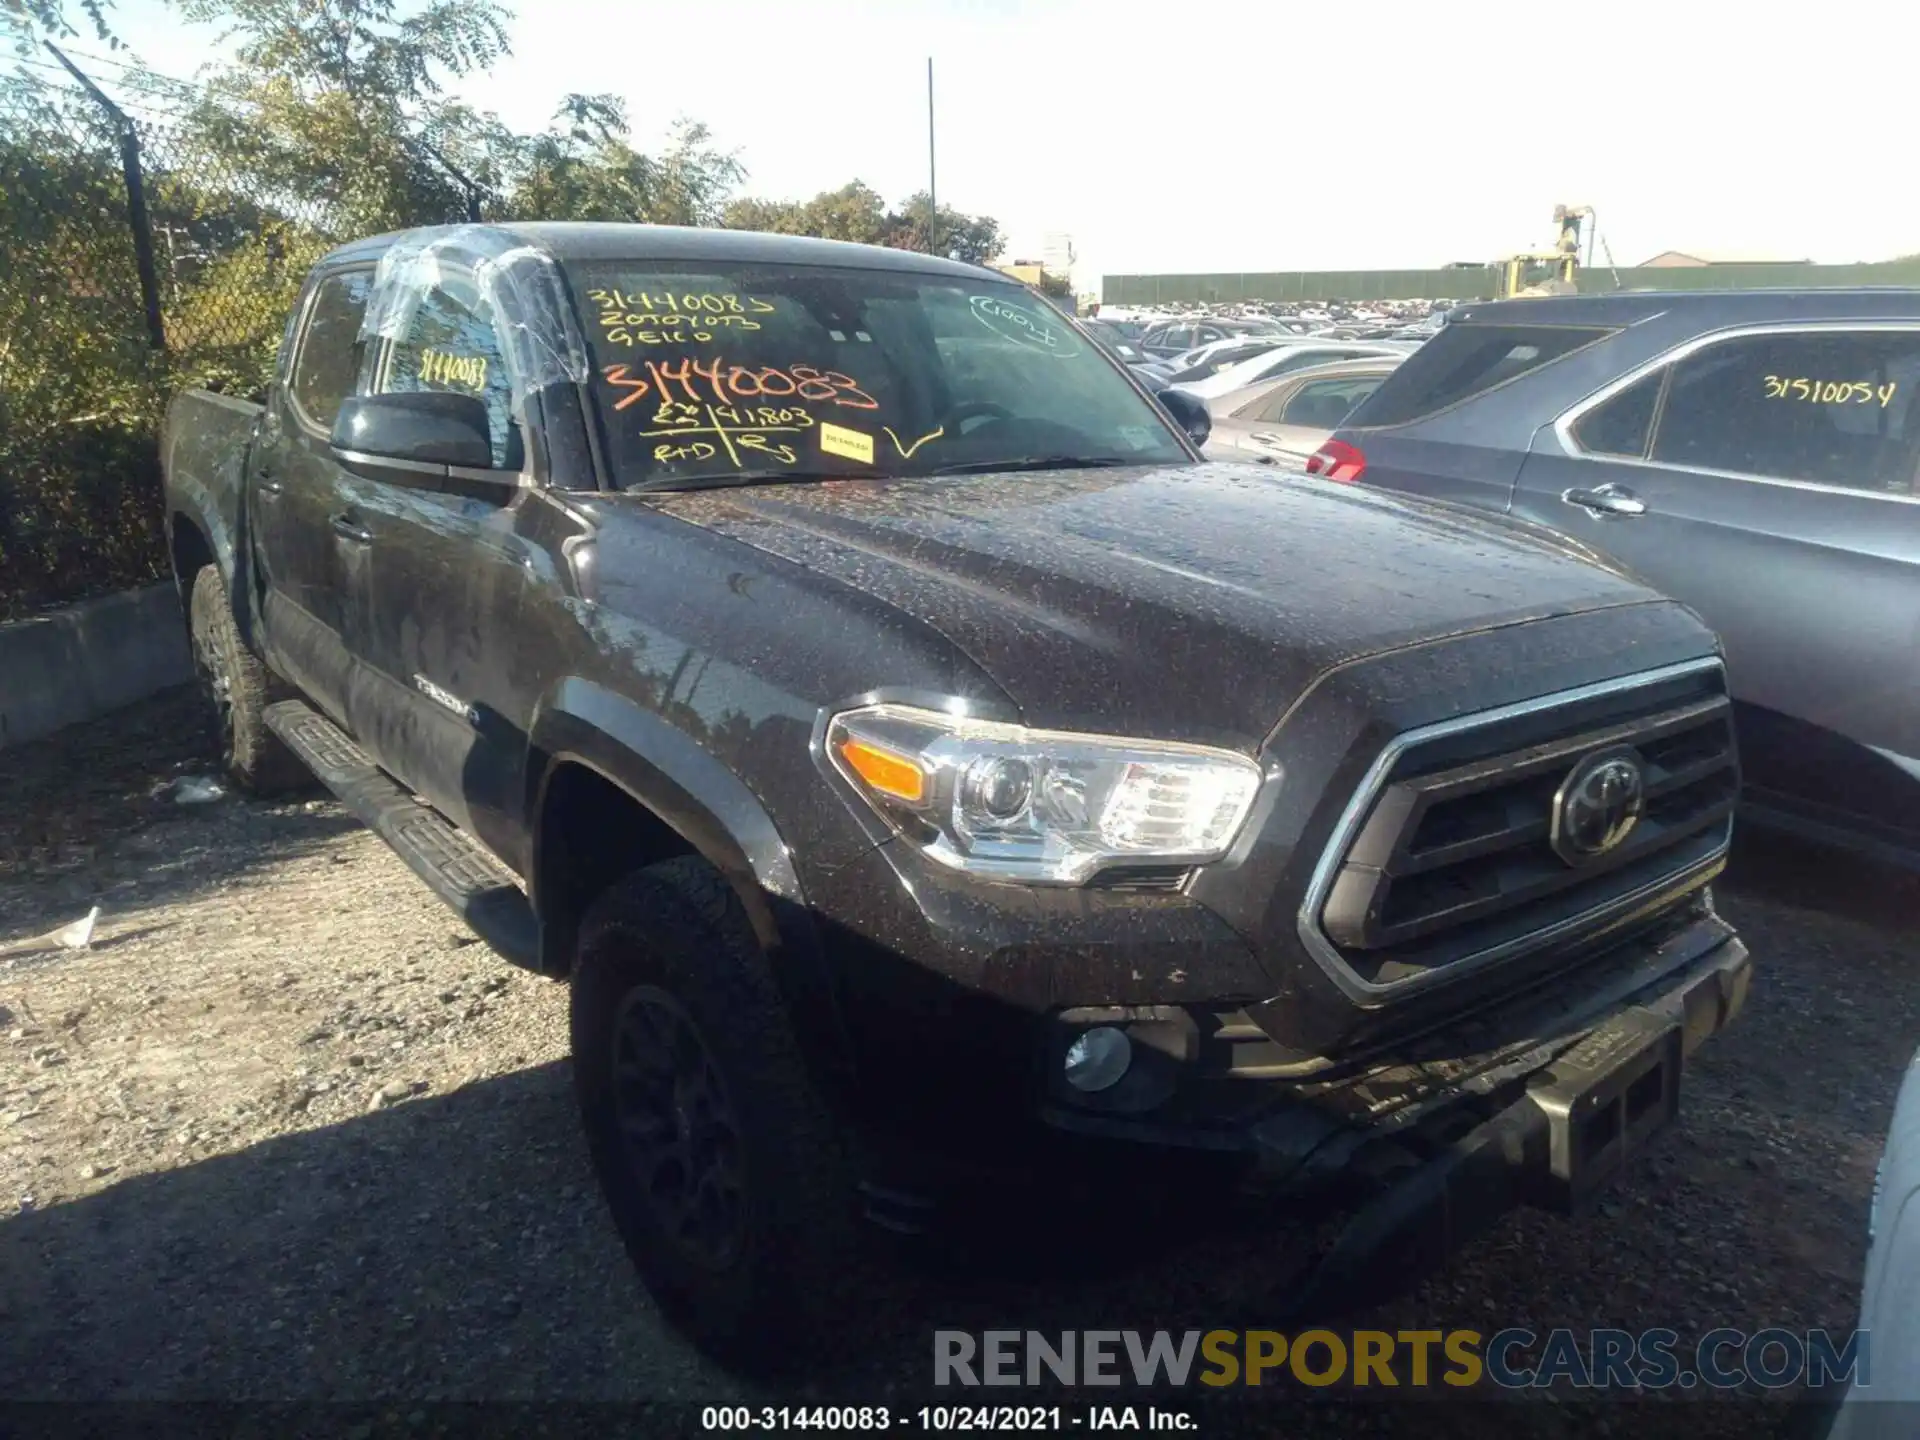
[[1137, 436], [1023, 326]]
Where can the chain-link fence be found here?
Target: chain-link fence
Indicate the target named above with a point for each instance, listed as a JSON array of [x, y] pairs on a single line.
[[148, 241]]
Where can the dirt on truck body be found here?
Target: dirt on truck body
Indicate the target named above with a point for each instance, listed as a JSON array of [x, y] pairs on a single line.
[[924, 766]]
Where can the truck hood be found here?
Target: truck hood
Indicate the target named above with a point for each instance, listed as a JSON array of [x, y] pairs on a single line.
[[1194, 602]]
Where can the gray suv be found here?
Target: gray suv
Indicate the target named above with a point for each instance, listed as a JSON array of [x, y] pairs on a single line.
[[1751, 453]]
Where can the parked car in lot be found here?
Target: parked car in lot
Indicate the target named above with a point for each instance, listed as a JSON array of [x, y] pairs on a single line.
[[1752, 454], [1286, 356], [1884, 1399], [1175, 337], [1205, 360], [921, 764], [1286, 421], [1151, 372]]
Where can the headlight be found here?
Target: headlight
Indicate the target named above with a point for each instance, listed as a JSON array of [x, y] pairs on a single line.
[[1042, 806]]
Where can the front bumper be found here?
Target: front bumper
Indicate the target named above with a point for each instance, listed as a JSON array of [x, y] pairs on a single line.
[[1431, 1145], [1213, 1080]]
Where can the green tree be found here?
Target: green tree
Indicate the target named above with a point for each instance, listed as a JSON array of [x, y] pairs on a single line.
[[856, 212], [975, 239], [776, 217], [319, 108], [853, 212], [81, 395], [331, 119], [28, 21], [373, 50], [585, 167]]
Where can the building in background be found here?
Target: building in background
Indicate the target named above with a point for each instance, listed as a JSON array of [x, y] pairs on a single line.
[[1682, 260], [1054, 284]]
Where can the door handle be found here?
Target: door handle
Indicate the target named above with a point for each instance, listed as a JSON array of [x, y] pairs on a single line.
[[1606, 500], [266, 484], [349, 528]]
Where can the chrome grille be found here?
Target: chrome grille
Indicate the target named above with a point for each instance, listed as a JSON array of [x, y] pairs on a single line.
[[1444, 861]]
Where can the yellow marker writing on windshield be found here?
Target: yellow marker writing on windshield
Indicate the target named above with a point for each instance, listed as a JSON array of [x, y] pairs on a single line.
[[906, 451]]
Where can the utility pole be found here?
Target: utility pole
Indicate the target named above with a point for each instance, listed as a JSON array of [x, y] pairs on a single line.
[[933, 206]]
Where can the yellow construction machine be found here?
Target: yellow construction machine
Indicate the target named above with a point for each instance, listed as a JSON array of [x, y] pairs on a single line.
[[1551, 274]]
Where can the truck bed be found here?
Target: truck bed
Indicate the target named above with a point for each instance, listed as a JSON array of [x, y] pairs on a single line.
[[203, 452]]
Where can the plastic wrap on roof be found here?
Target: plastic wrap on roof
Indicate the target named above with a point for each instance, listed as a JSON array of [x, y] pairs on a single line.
[[519, 288]]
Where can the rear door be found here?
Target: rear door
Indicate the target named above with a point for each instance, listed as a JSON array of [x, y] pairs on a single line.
[[1767, 479], [1238, 414], [306, 596], [1290, 426], [1437, 427], [1286, 420]]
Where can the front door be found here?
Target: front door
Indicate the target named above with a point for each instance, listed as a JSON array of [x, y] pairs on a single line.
[[437, 702], [307, 593], [1768, 481]]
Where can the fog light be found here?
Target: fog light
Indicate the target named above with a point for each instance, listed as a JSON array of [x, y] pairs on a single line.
[[1097, 1059]]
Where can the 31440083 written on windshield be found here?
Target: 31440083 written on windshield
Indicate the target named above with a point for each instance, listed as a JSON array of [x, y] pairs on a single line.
[[845, 372]]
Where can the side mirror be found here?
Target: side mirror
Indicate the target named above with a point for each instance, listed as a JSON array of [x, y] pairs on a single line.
[[426, 428], [1190, 413]]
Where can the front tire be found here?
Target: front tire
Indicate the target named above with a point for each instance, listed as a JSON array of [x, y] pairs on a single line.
[[239, 688], [724, 1170]]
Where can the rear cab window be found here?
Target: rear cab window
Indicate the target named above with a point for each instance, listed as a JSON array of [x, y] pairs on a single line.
[[1465, 360]]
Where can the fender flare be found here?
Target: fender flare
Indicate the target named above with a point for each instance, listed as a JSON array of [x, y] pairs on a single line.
[[669, 774], [189, 500]]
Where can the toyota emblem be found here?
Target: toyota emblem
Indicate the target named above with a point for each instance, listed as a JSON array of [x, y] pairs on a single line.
[[1598, 804]]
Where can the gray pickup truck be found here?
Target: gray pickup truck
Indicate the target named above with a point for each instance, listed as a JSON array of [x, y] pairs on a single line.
[[923, 765]]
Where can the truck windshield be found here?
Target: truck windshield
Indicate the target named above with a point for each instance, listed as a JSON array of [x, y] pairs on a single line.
[[723, 375]]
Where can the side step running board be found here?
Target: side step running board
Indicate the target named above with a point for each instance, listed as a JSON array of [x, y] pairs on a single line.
[[481, 890]]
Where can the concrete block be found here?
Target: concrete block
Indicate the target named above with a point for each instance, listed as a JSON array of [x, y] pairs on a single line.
[[87, 659]]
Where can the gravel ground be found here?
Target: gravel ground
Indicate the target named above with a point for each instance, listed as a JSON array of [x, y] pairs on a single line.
[[287, 1131]]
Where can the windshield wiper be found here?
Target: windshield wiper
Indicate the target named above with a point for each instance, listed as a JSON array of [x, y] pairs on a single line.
[[742, 477], [1039, 462], [784, 477]]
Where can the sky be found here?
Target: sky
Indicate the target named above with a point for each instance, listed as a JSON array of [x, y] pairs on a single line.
[[1231, 135]]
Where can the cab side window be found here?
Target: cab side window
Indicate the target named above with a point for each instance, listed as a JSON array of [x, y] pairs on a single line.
[[450, 344], [1828, 407], [326, 358], [1323, 404]]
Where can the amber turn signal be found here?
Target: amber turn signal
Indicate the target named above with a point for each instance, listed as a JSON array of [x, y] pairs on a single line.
[[885, 771]]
